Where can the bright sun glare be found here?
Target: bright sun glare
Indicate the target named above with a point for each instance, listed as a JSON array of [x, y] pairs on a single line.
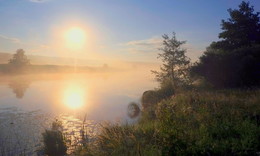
[[74, 97], [75, 37]]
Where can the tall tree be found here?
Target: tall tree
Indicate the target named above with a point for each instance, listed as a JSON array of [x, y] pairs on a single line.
[[241, 29], [175, 62], [19, 59], [235, 60]]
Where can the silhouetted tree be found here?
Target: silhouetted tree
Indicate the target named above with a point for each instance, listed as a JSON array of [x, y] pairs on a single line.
[[175, 62], [235, 60], [19, 59], [241, 29]]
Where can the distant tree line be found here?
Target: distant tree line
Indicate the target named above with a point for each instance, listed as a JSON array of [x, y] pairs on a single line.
[[232, 62]]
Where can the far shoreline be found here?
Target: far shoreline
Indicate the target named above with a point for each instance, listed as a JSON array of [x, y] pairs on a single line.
[[7, 69]]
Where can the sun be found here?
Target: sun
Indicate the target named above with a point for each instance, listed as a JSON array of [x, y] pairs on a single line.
[[75, 37], [74, 97]]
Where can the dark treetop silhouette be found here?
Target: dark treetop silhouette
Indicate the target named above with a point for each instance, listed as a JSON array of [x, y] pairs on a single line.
[[234, 61]]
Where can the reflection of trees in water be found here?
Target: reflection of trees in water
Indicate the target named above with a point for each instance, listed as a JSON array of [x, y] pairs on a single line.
[[19, 87], [133, 110]]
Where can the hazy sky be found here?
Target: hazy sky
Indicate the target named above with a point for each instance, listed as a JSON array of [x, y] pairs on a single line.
[[115, 29]]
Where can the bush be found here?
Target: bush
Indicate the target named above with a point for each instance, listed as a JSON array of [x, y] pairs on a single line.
[[54, 141], [152, 97]]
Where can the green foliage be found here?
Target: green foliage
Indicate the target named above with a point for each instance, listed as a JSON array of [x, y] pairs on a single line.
[[235, 60], [129, 140], [210, 123], [152, 97], [54, 141], [241, 29], [224, 122], [117, 140], [234, 68], [175, 62], [166, 90]]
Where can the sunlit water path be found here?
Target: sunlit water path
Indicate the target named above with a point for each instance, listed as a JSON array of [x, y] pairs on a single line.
[[30, 103]]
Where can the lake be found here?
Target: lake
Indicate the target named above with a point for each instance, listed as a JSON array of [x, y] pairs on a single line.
[[30, 103]]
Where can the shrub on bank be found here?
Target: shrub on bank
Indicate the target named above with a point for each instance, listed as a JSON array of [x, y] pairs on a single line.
[[54, 141], [151, 97]]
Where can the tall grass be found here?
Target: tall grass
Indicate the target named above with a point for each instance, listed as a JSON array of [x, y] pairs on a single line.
[[54, 140], [200, 123], [222, 122]]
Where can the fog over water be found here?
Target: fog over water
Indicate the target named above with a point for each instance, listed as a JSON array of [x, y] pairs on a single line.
[[29, 103]]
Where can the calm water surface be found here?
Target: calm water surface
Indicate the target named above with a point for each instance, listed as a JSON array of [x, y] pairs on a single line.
[[29, 103]]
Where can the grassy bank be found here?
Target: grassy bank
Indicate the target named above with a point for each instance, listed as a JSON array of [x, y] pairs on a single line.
[[222, 122]]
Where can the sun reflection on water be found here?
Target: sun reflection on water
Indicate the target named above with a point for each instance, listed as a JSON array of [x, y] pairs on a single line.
[[74, 97]]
